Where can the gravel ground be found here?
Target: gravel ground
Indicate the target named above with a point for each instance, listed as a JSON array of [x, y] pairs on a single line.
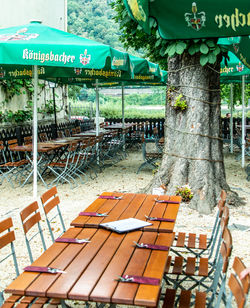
[[123, 178]]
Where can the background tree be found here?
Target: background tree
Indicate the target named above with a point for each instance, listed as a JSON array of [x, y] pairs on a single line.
[[193, 150]]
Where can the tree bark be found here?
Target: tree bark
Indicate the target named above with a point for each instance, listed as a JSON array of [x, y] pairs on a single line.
[[193, 150]]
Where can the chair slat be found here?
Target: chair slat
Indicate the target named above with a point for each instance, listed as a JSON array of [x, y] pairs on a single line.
[[168, 264], [6, 224], [7, 305], [13, 299], [190, 267], [6, 239], [237, 291], [238, 267], [169, 298], [200, 299], [31, 222], [185, 299], [203, 267], [27, 299], [177, 269], [48, 194], [181, 239], [191, 240], [29, 210], [203, 241], [51, 204]]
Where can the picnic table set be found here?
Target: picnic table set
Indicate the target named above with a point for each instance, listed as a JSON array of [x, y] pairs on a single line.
[[66, 158], [117, 251]]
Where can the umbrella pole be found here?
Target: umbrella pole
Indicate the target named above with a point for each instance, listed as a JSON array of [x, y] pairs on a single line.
[[54, 105], [97, 119], [123, 120], [231, 118], [243, 122], [35, 81]]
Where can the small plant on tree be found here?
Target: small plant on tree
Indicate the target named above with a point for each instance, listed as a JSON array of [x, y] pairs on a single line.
[[180, 103], [185, 192]]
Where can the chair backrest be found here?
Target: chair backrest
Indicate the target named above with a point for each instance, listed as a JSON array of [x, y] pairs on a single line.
[[2, 149], [60, 134], [30, 216], [73, 131], [219, 280], [51, 201], [11, 144], [7, 237], [239, 288], [78, 129], [27, 140], [43, 137], [67, 132]]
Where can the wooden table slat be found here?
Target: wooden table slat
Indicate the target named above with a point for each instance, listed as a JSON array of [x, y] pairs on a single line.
[[64, 283], [126, 291], [155, 268]]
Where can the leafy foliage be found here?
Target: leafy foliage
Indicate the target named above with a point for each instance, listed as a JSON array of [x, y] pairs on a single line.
[[237, 93], [185, 192], [20, 116], [92, 19], [16, 87]]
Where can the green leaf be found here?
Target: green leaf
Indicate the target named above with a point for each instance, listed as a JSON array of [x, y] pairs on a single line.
[[192, 50], [211, 58], [179, 48], [162, 51], [217, 50], [204, 49], [203, 60], [152, 22], [196, 40], [157, 34], [172, 50], [158, 42], [210, 43]]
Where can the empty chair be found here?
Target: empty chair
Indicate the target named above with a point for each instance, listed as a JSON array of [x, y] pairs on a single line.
[[67, 132], [199, 244], [184, 298], [30, 216], [43, 137], [50, 202], [7, 237], [78, 129], [27, 140], [60, 134]]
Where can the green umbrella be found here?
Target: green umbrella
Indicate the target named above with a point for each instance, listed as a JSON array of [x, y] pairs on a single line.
[[35, 50], [233, 69], [240, 46], [186, 19]]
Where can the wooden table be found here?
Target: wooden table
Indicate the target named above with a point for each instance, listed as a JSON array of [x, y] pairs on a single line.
[[90, 133], [92, 268], [119, 126], [131, 205]]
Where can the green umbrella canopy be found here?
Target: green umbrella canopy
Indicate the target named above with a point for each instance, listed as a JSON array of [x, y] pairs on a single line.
[[240, 46], [186, 19], [73, 56], [233, 69], [36, 44]]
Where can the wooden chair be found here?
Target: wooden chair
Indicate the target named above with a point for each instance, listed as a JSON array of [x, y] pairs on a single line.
[[27, 140], [30, 216], [60, 134], [67, 133], [43, 137], [50, 202], [197, 271], [7, 238], [199, 244], [73, 130], [185, 298], [16, 167], [78, 129]]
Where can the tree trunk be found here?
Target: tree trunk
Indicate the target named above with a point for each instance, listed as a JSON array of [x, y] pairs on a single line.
[[193, 150]]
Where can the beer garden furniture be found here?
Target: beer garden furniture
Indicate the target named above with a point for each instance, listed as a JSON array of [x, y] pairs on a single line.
[[99, 265]]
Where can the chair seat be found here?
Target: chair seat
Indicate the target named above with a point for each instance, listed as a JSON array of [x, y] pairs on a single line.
[[15, 163], [26, 301], [190, 240], [184, 299], [192, 266], [56, 164]]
